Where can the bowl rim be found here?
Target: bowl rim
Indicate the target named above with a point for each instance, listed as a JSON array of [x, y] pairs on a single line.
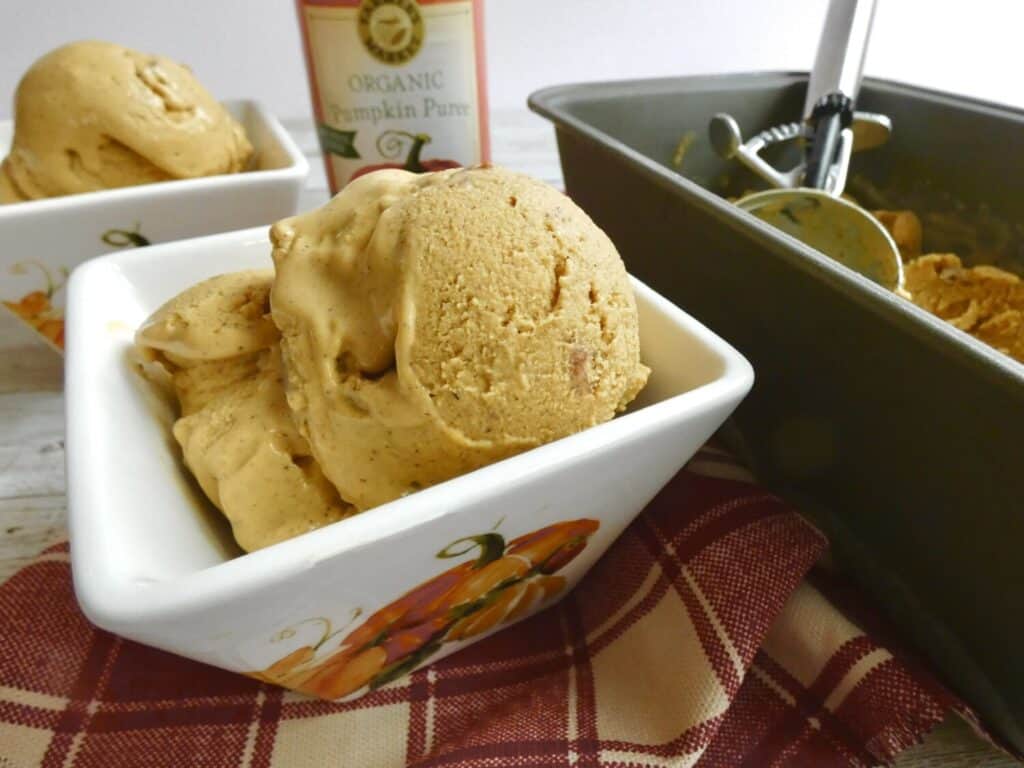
[[112, 602], [297, 169]]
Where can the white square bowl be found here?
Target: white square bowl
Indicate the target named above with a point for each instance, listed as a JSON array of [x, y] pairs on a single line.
[[41, 241], [152, 562]]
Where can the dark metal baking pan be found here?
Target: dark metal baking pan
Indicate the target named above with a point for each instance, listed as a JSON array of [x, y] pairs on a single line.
[[899, 435]]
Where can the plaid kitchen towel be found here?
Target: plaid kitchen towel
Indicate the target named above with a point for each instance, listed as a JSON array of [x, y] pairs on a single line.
[[696, 640]]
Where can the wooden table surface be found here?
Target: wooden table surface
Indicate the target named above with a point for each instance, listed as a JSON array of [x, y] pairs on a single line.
[[32, 502]]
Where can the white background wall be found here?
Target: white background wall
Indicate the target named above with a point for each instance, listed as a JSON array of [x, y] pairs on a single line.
[[251, 47]]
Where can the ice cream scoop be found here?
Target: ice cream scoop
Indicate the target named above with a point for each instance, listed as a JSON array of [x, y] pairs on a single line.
[[8, 192], [235, 430], [806, 203], [415, 328], [432, 324], [834, 226], [94, 115]]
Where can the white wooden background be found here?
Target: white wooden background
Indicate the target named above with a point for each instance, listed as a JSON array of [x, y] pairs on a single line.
[[32, 503]]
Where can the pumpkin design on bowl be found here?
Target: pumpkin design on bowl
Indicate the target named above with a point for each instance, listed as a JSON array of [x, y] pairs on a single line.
[[36, 307], [505, 583]]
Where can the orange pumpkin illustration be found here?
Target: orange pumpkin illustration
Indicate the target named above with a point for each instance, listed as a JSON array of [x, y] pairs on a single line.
[[502, 585], [36, 309]]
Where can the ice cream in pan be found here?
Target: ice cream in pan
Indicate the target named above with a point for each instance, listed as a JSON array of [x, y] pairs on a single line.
[[415, 328], [93, 115], [885, 247], [983, 300]]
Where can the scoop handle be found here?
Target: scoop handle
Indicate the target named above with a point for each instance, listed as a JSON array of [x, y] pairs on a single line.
[[834, 85], [839, 63]]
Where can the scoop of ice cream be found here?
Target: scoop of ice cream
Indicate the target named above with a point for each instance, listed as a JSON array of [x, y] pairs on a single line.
[[435, 323], [985, 301], [93, 115], [236, 431], [8, 192], [217, 319], [249, 459], [905, 228]]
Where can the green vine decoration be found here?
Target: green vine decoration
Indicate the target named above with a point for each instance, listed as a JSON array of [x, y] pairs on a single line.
[[327, 632], [125, 238], [52, 285], [491, 546]]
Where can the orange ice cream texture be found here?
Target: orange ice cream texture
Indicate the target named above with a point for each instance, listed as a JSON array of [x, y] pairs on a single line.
[[92, 115], [428, 325]]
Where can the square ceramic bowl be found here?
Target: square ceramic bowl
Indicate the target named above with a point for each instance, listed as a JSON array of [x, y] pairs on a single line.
[[360, 602], [41, 241]]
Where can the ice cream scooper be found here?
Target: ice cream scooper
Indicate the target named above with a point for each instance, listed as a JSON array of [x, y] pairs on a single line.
[[806, 202]]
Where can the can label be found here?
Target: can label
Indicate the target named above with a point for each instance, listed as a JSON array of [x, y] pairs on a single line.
[[396, 84]]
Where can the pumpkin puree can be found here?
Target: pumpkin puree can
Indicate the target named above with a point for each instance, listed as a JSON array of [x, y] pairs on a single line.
[[396, 84]]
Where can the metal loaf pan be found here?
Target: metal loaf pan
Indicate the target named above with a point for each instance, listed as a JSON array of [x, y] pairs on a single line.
[[899, 435]]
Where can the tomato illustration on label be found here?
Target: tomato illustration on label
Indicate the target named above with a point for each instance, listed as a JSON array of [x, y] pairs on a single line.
[[390, 145], [504, 583]]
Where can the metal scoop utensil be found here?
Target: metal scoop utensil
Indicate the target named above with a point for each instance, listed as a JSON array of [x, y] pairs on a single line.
[[806, 203]]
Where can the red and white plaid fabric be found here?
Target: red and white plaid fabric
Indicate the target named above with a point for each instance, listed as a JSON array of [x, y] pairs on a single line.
[[697, 640]]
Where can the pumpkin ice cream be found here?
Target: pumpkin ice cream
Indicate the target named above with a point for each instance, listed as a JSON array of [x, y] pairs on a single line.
[[429, 325], [219, 347], [985, 301], [93, 115], [435, 323]]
